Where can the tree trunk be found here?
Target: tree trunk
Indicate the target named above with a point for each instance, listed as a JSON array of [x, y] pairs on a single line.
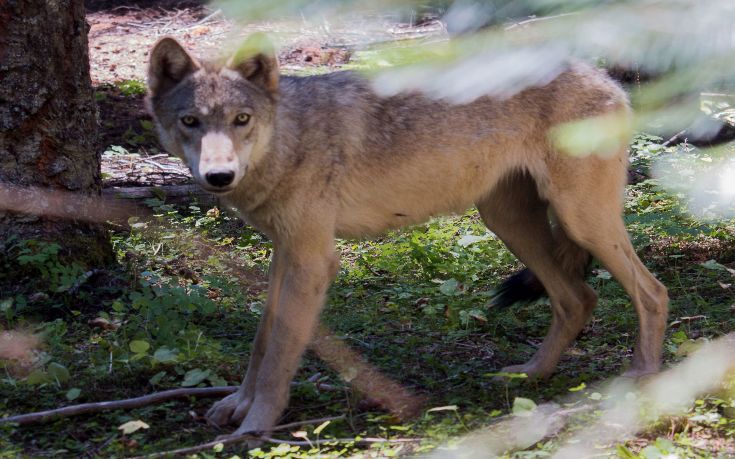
[[48, 121]]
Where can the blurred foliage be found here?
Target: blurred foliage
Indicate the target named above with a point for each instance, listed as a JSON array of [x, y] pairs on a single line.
[[677, 59]]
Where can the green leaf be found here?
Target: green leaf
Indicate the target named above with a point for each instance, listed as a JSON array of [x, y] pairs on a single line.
[[73, 393], [165, 355], [6, 304], [449, 287], [321, 427], [679, 337], [401, 428], [218, 447], [651, 452], [215, 380], [139, 346], [578, 388], [194, 377], [156, 378], [133, 426], [137, 357], [505, 374], [58, 372], [712, 264], [665, 445], [37, 377], [523, 406], [624, 452], [688, 347], [470, 239]]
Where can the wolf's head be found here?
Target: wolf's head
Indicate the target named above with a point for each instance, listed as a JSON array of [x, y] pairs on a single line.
[[216, 117]]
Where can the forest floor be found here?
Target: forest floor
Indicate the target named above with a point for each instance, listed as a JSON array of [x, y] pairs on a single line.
[[181, 306]]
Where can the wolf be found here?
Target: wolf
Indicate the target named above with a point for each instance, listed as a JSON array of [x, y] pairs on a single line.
[[306, 160]]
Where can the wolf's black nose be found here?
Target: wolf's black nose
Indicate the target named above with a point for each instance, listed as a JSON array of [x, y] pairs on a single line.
[[220, 178]]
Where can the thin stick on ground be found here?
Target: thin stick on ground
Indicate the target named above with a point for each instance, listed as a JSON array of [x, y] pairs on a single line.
[[130, 403], [136, 402]]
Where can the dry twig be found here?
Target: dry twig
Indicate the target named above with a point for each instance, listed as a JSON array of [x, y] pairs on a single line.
[[130, 403], [137, 402]]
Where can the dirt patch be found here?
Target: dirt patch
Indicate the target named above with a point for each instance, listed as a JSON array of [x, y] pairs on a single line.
[[119, 38]]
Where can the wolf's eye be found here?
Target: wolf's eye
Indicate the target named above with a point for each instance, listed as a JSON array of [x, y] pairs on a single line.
[[189, 121], [242, 119]]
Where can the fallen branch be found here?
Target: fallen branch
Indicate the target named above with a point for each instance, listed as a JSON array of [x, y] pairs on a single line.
[[170, 192], [674, 138], [66, 204], [177, 194], [136, 402]]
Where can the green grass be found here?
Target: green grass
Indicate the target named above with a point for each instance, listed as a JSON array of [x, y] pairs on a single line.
[[182, 306]]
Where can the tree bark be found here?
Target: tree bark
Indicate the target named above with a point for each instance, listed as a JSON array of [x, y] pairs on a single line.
[[48, 121]]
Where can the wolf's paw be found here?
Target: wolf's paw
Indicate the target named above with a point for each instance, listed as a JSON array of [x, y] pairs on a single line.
[[230, 410], [258, 423]]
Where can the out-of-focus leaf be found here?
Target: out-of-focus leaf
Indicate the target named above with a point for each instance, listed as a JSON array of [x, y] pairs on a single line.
[[523, 406], [58, 372], [165, 355], [194, 377], [139, 346], [73, 393], [133, 426]]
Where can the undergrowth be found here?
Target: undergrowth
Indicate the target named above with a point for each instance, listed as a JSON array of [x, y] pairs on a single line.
[[182, 305]]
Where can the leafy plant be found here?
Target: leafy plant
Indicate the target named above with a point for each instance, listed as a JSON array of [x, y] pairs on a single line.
[[131, 88]]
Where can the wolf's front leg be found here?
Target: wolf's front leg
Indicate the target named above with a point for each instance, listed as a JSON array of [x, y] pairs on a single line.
[[308, 270], [233, 408]]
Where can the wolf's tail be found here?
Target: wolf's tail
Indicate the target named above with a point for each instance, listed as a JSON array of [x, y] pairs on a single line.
[[525, 286]]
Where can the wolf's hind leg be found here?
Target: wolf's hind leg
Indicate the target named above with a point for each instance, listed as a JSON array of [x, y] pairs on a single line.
[[589, 205], [514, 211]]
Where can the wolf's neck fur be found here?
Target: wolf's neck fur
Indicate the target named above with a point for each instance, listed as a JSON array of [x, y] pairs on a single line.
[[262, 180], [261, 189]]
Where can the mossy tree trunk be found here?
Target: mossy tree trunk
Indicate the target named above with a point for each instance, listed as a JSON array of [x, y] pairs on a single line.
[[48, 121]]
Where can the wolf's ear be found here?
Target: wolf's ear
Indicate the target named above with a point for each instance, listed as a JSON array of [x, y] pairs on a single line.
[[169, 63], [256, 61]]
